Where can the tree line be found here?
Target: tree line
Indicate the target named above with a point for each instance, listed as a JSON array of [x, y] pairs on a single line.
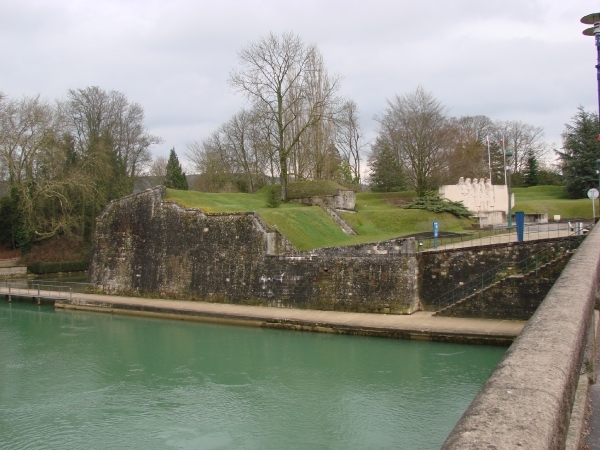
[[420, 147], [296, 126], [61, 162]]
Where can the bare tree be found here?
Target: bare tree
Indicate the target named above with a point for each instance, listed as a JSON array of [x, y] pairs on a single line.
[[158, 169], [45, 186], [349, 139], [277, 77], [522, 139], [468, 156], [101, 120], [417, 127], [236, 153]]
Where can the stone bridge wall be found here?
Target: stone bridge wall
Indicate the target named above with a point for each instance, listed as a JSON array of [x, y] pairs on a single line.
[[146, 246], [527, 402]]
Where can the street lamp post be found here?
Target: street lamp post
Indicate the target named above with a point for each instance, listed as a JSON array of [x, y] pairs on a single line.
[[598, 170], [594, 19], [508, 167]]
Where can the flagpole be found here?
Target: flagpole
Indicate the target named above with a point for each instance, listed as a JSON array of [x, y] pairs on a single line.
[[504, 153], [487, 141]]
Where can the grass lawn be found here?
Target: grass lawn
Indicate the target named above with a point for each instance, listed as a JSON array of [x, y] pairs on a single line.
[[551, 200], [379, 216]]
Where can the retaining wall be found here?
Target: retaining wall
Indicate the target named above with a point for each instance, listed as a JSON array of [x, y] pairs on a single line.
[[146, 246], [515, 297], [444, 270], [527, 401]]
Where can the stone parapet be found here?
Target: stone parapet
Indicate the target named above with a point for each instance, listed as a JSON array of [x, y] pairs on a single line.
[[527, 401]]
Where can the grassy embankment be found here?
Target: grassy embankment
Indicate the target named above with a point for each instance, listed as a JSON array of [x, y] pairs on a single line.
[[551, 200], [378, 217]]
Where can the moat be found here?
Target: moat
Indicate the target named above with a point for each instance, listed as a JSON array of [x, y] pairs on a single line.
[[87, 380]]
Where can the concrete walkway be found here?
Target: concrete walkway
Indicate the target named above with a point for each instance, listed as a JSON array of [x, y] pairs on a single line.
[[421, 325], [503, 239]]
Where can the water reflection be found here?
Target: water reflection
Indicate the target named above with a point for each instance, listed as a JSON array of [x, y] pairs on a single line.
[[85, 380]]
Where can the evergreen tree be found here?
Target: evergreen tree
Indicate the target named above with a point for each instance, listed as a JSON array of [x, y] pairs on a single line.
[[175, 178], [387, 174], [531, 172], [580, 152]]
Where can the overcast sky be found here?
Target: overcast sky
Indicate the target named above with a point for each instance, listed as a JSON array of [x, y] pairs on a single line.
[[511, 59]]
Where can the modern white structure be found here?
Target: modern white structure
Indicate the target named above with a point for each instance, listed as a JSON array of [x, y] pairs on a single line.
[[487, 202]]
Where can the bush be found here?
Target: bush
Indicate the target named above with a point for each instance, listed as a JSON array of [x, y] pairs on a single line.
[[55, 267], [274, 196], [434, 203]]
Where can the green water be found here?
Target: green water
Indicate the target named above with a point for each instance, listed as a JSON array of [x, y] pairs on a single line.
[[75, 380]]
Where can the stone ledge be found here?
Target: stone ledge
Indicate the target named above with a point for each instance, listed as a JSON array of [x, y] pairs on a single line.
[[527, 401], [324, 326]]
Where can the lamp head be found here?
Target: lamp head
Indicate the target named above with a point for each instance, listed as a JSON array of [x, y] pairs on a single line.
[[509, 153], [591, 19]]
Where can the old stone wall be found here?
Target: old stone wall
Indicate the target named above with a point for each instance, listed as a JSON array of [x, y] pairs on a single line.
[[442, 271], [343, 199], [146, 246], [515, 297]]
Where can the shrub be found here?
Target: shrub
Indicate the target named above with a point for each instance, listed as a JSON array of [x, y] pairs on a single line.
[[274, 196], [55, 267], [434, 203]]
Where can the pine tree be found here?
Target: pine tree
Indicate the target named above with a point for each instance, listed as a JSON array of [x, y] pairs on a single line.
[[387, 174], [580, 152], [175, 178], [531, 172]]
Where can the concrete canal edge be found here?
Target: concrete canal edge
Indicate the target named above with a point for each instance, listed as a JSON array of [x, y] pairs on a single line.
[[536, 396], [377, 325]]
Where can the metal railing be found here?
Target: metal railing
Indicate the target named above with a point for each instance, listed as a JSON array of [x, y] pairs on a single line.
[[43, 288], [502, 235], [480, 282]]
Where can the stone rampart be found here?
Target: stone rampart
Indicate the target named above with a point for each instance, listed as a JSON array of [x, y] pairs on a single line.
[[147, 246], [342, 199], [515, 297], [444, 270], [527, 401]]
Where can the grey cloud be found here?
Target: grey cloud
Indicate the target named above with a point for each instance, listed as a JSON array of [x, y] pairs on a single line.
[[511, 59]]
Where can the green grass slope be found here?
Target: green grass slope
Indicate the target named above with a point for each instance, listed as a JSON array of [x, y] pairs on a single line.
[[552, 201], [379, 216]]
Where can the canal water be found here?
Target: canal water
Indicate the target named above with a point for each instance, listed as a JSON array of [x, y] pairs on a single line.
[[97, 381]]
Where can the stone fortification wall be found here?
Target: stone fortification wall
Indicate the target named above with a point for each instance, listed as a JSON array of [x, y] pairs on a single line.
[[527, 402], [343, 199], [515, 297], [144, 245], [444, 270]]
